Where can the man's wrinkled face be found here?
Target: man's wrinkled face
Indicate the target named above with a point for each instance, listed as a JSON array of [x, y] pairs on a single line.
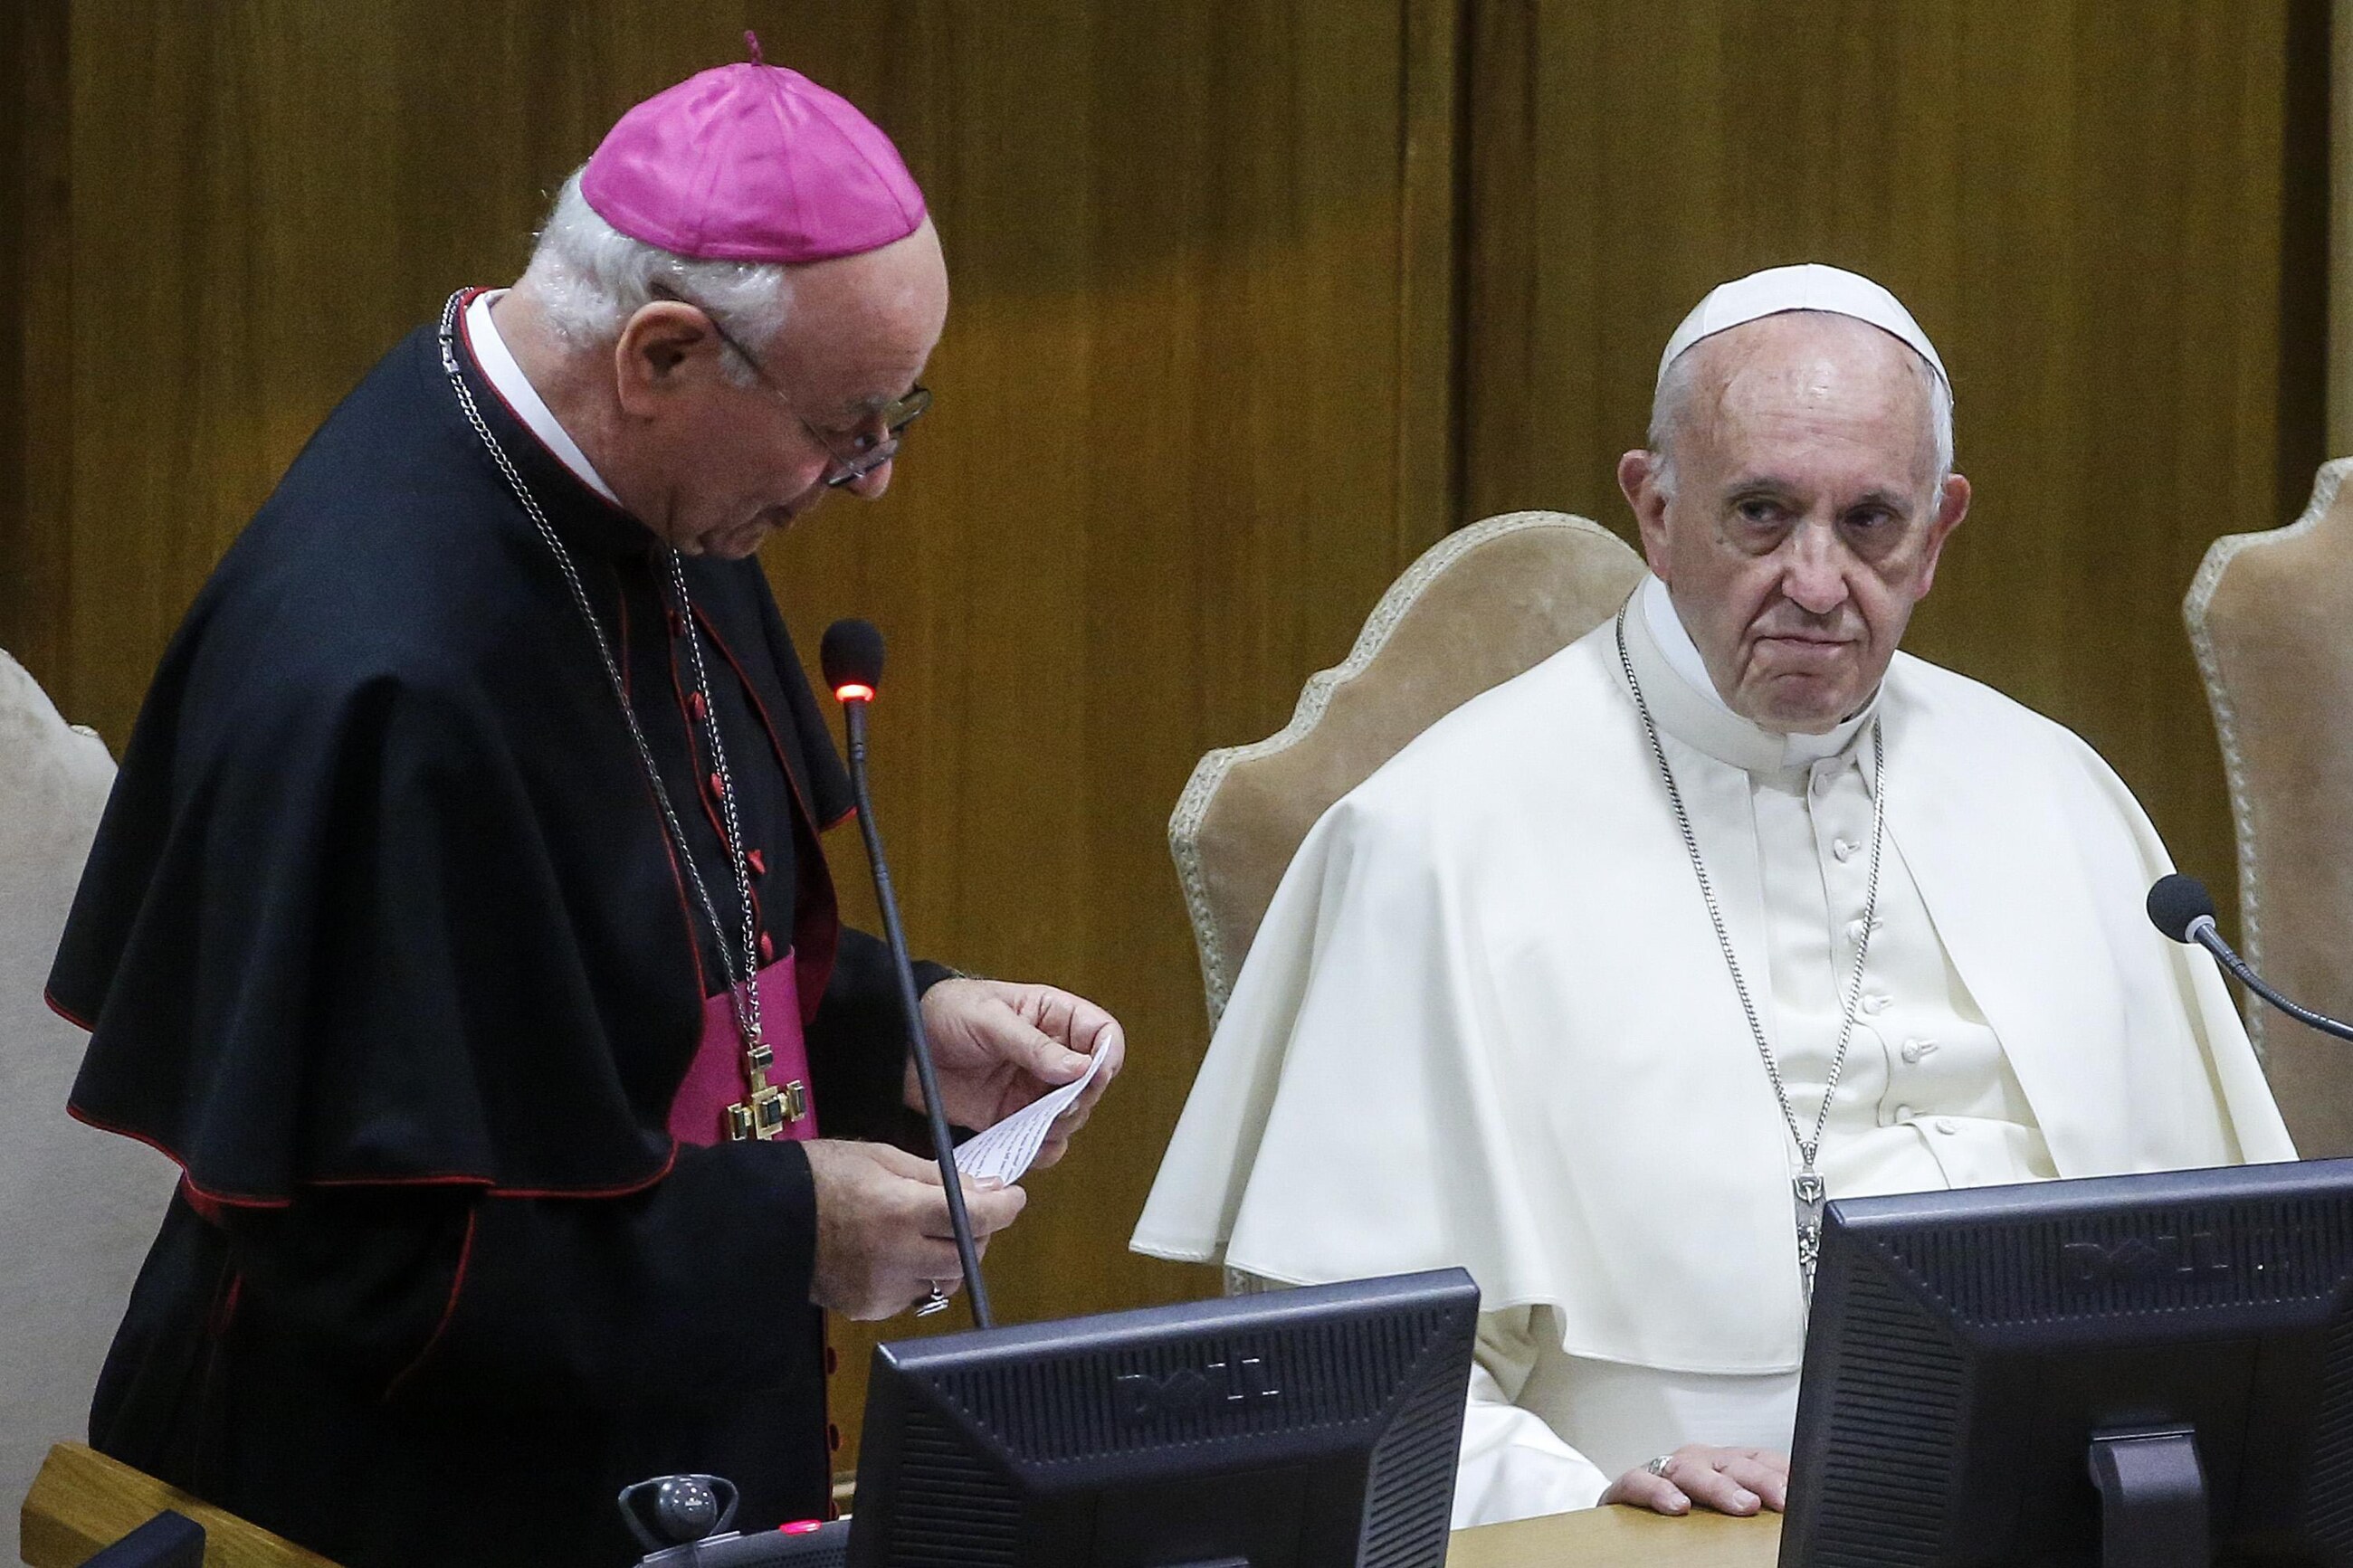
[[733, 463], [1801, 518]]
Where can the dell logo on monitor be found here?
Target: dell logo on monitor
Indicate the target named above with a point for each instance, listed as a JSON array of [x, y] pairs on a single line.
[[2144, 1261], [1220, 1385]]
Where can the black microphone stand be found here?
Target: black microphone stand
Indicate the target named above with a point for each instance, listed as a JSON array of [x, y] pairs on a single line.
[[853, 712], [2201, 932]]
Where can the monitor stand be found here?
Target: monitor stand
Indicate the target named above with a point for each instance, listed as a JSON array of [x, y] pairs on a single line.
[[2152, 1498]]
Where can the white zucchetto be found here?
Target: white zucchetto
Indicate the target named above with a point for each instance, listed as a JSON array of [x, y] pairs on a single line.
[[1808, 287]]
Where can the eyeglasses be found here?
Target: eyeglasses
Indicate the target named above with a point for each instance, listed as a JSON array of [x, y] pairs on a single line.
[[870, 450]]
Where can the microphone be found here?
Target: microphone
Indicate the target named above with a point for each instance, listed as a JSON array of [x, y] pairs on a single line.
[[2183, 910], [851, 657]]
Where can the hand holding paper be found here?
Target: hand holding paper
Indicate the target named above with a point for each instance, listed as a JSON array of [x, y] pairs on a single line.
[[1002, 1048]]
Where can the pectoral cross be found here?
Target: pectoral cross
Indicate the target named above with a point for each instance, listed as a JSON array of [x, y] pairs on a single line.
[[767, 1109], [1805, 1186]]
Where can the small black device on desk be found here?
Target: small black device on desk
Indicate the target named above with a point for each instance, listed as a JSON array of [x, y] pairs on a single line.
[[683, 1521], [2153, 1371]]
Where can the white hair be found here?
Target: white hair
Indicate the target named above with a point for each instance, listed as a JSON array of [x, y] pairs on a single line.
[[590, 278], [1671, 408]]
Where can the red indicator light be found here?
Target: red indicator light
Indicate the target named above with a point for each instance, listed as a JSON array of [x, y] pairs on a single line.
[[853, 691], [801, 1527]]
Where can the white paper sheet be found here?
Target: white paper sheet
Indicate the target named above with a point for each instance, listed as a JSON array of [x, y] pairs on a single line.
[[1007, 1150]]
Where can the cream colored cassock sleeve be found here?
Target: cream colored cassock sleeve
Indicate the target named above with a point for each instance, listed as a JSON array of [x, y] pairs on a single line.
[[1512, 1464]]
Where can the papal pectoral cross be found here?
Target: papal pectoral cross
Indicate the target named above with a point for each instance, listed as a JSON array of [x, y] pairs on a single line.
[[1805, 1186]]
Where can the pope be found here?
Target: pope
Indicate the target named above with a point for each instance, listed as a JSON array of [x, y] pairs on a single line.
[[459, 922], [1605, 982]]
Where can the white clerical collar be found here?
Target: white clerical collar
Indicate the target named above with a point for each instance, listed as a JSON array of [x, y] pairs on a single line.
[[507, 379], [1685, 703]]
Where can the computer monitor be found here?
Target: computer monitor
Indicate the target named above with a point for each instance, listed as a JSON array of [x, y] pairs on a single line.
[[1314, 1428], [2152, 1369]]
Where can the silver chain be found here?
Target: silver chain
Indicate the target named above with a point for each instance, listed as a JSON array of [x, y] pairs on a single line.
[[745, 996], [1807, 1148], [736, 861]]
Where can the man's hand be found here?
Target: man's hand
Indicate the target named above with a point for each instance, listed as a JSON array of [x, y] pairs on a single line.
[[997, 1046], [1729, 1480], [882, 1231]]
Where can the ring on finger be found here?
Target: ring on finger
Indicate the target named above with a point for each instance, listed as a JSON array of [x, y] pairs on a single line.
[[937, 1301], [1660, 1465]]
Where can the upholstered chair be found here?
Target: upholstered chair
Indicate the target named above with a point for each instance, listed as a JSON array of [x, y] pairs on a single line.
[[1479, 607], [78, 1207], [2271, 618]]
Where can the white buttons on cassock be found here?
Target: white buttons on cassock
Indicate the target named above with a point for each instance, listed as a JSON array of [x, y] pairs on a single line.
[[1914, 1049], [1844, 849], [1877, 1002], [1948, 1126], [1903, 1114]]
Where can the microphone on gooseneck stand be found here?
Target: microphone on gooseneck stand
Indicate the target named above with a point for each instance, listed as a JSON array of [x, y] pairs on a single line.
[[852, 657], [2183, 910]]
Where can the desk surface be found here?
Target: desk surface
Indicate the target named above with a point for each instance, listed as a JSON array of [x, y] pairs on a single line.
[[1608, 1537], [84, 1499]]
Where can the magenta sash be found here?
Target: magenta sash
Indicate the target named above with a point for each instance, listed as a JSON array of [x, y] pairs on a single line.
[[715, 1080]]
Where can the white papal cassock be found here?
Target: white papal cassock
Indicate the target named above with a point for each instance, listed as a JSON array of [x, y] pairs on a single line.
[[1486, 1022]]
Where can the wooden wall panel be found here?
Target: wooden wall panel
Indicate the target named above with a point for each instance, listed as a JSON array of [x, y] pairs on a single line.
[[1193, 408], [36, 282], [2082, 202]]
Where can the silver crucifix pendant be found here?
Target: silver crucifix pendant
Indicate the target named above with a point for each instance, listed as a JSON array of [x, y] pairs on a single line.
[[1805, 1186]]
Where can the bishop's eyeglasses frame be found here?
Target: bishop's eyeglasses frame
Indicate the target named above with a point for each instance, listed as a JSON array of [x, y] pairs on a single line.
[[872, 450]]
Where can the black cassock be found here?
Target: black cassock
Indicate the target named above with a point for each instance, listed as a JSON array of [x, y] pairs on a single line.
[[383, 941]]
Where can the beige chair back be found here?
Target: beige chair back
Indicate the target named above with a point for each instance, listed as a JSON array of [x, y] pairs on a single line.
[[2271, 618], [1479, 607], [81, 1205]]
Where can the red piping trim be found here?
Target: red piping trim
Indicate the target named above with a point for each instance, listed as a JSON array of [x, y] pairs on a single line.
[[678, 885], [661, 831], [448, 1310], [699, 757], [229, 1200], [206, 1209], [668, 1165], [847, 813], [805, 820], [224, 1312], [661, 827], [68, 1013], [752, 694]]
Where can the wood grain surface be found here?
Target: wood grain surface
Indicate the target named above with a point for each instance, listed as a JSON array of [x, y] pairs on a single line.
[[83, 1501], [1620, 1538]]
